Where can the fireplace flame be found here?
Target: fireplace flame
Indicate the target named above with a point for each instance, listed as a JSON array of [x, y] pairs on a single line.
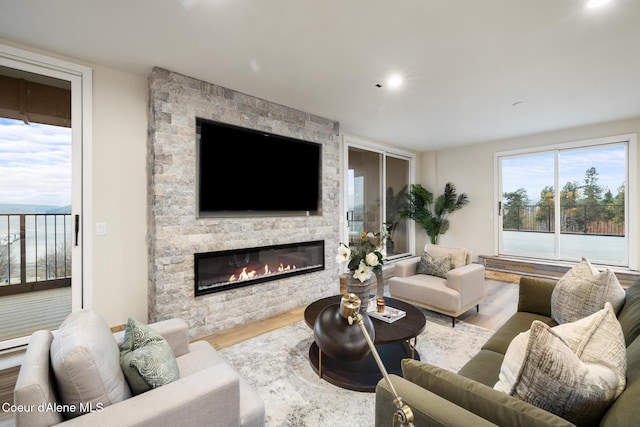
[[243, 275], [282, 268], [252, 274]]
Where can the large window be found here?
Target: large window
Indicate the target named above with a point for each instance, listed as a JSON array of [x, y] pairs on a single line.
[[568, 201], [376, 185]]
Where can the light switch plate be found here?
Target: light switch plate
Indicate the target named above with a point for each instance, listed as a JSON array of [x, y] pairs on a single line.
[[101, 228]]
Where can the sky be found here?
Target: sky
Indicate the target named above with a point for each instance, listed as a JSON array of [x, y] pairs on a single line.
[[35, 164], [534, 172]]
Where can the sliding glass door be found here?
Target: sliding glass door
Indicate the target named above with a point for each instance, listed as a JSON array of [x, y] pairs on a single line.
[[44, 136], [376, 188], [566, 203], [528, 211]]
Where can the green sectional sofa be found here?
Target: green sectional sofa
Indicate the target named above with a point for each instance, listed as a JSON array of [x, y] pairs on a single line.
[[442, 398]]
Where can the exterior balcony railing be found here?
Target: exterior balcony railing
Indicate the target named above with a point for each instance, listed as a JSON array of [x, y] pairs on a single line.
[[603, 220], [35, 252]]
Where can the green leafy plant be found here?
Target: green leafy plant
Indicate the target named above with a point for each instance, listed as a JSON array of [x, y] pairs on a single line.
[[395, 203], [433, 215]]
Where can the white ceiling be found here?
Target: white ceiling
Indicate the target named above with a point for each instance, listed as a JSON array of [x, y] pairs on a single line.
[[465, 62]]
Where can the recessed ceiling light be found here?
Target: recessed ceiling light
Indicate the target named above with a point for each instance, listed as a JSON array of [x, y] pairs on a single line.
[[394, 81], [596, 3]]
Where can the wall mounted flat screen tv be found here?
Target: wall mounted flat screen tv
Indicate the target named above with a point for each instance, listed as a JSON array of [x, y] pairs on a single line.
[[247, 172]]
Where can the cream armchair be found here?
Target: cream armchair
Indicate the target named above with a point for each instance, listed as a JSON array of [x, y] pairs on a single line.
[[209, 392], [461, 290]]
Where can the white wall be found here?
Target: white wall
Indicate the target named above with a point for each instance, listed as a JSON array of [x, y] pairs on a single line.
[[470, 168], [120, 276]]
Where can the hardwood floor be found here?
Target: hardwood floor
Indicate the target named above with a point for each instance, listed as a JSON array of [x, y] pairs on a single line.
[[500, 303], [246, 331]]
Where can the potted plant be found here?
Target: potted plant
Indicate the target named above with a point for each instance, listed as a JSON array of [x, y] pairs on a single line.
[[363, 260], [395, 203], [430, 215]]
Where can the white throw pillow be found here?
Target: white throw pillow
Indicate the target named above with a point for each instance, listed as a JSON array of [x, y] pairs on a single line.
[[86, 361], [583, 290], [575, 370]]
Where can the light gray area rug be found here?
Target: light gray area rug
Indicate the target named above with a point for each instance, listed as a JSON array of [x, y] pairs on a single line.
[[277, 365]]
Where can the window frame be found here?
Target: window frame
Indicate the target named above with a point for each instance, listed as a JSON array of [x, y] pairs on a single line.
[[631, 189]]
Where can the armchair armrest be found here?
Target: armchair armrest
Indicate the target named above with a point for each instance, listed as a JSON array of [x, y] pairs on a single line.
[[428, 408], [406, 267], [175, 331], [489, 404], [468, 280], [467, 275], [535, 295], [187, 401]]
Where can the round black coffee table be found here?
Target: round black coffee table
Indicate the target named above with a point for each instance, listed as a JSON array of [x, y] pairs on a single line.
[[393, 341]]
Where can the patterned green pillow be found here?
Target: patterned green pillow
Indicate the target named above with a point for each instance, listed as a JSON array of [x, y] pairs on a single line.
[[146, 358], [431, 266]]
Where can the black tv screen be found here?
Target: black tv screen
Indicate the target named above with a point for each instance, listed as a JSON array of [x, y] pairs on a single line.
[[244, 171]]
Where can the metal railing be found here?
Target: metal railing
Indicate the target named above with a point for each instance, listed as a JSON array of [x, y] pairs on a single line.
[[35, 252], [604, 220]]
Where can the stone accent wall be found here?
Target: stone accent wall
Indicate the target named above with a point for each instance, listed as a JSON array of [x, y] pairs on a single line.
[[175, 233]]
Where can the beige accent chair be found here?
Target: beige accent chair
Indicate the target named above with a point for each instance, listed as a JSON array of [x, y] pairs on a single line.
[[460, 291], [209, 391]]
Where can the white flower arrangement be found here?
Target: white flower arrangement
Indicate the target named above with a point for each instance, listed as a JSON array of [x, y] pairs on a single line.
[[366, 258]]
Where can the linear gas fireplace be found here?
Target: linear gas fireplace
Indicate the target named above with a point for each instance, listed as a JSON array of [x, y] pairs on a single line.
[[222, 270]]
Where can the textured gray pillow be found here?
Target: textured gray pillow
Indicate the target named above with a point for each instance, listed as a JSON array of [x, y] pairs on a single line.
[[459, 256], [84, 358], [434, 266], [583, 290], [146, 358], [575, 370]]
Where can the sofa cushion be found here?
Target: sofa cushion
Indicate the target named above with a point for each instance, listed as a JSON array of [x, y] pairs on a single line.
[[431, 266], [425, 289], [459, 256], [85, 360], [146, 358], [421, 402], [626, 407], [497, 407], [518, 323], [629, 316], [484, 367], [574, 370], [583, 290], [201, 356], [535, 295]]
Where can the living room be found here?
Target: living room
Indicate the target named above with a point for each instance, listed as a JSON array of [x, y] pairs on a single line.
[[121, 276]]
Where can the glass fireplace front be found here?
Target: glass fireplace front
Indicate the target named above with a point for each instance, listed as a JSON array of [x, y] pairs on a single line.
[[222, 270]]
